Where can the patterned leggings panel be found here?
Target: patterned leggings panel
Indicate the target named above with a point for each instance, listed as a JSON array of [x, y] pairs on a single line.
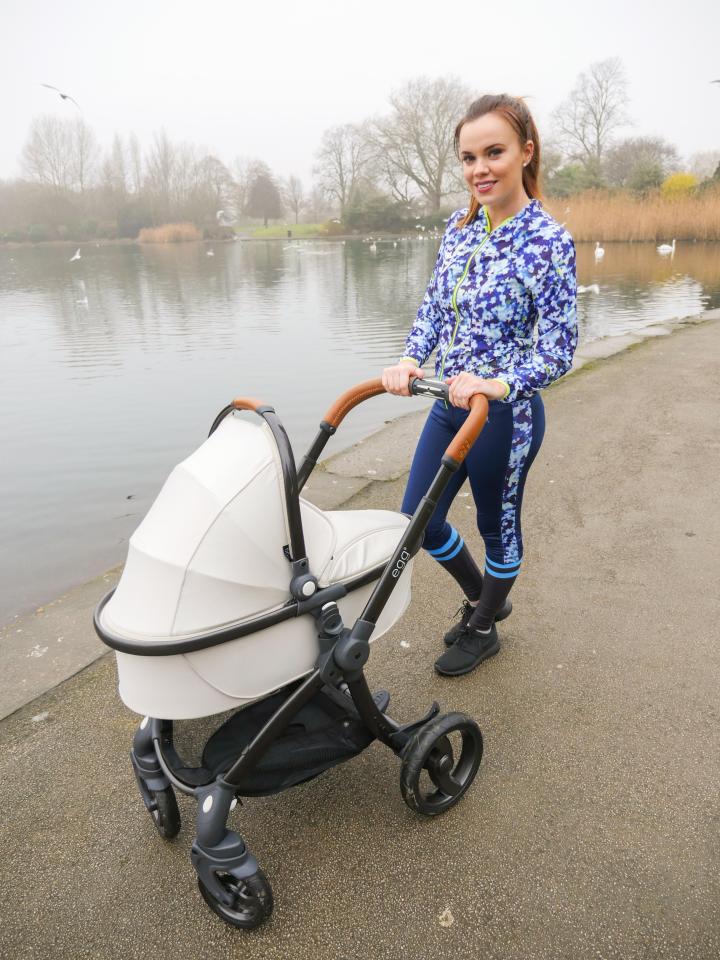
[[496, 467]]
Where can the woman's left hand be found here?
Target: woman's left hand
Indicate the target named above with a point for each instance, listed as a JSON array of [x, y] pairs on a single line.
[[465, 385]]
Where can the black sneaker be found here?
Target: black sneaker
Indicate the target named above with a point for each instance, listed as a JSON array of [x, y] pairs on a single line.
[[469, 650], [467, 610]]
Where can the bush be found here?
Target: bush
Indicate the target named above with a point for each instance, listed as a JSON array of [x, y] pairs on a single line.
[[678, 185], [569, 180], [332, 228], [107, 230], [170, 233], [647, 175], [376, 213], [132, 217], [38, 232]]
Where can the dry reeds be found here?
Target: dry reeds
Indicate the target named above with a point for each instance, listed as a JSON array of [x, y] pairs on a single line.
[[597, 215], [170, 233]]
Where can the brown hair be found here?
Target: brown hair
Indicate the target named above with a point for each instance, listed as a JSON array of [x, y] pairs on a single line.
[[514, 110]]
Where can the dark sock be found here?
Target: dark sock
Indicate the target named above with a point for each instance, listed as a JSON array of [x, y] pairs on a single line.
[[467, 573], [494, 594]]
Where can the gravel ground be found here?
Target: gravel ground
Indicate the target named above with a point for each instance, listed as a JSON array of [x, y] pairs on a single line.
[[593, 828]]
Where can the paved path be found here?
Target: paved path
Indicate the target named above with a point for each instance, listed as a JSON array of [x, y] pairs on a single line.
[[593, 829]]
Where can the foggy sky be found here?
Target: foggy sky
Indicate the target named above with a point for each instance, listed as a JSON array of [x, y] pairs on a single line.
[[265, 78]]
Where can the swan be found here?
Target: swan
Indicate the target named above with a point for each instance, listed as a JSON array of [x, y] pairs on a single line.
[[75, 256], [599, 251], [209, 253], [665, 248], [593, 288], [373, 247]]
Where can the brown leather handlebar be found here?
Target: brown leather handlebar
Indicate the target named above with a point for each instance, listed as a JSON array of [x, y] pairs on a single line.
[[469, 432], [461, 442], [246, 403], [351, 398]]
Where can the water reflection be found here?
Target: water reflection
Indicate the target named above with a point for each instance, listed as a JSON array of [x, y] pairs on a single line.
[[114, 365]]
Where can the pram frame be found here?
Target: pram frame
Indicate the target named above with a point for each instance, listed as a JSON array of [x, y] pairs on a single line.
[[217, 852]]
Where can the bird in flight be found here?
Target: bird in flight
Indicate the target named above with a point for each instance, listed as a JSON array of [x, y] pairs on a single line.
[[65, 96]]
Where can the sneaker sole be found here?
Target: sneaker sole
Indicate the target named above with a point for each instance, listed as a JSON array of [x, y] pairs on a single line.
[[459, 673]]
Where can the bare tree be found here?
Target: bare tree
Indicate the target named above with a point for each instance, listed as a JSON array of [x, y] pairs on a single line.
[[212, 191], [185, 179], [135, 164], [414, 143], [585, 122], [84, 154], [115, 170], [341, 159], [46, 155], [294, 195], [242, 168], [704, 163], [217, 180], [640, 162], [317, 205], [160, 165], [595, 109], [263, 196]]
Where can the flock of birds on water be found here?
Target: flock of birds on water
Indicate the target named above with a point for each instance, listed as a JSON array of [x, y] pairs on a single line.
[[664, 250]]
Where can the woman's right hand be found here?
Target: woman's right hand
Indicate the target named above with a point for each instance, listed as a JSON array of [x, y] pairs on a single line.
[[397, 379]]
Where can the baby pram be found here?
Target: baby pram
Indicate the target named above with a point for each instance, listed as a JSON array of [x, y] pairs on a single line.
[[236, 594]]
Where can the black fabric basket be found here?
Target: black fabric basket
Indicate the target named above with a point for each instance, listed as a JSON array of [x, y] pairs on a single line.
[[321, 735]]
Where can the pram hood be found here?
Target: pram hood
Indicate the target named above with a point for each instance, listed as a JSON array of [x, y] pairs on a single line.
[[211, 549]]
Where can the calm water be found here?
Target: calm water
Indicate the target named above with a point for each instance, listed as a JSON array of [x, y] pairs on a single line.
[[114, 366]]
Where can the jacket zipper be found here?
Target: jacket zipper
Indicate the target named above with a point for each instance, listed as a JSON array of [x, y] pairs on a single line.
[[454, 303]]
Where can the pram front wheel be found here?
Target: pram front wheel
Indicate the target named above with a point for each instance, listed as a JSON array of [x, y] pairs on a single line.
[[162, 807], [252, 900], [440, 762]]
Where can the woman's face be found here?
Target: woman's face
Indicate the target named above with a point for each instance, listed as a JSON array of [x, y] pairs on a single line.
[[492, 160]]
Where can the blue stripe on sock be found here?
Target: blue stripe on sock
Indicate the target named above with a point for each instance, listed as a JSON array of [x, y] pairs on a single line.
[[502, 576], [502, 566], [454, 553], [446, 546]]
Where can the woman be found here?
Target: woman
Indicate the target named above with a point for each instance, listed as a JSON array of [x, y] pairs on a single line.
[[504, 266]]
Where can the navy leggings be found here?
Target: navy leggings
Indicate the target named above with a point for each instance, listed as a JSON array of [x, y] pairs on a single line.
[[496, 466]]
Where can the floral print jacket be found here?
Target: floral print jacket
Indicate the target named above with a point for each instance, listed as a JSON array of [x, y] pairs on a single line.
[[489, 292]]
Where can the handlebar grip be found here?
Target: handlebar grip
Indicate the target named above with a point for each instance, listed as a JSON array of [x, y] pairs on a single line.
[[468, 433], [428, 387], [351, 398]]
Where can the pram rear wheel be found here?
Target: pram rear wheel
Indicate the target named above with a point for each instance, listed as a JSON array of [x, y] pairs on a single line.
[[164, 811], [440, 762], [252, 900]]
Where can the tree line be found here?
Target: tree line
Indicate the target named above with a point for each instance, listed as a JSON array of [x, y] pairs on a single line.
[[387, 172]]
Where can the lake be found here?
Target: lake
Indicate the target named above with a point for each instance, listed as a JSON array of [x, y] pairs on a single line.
[[114, 366]]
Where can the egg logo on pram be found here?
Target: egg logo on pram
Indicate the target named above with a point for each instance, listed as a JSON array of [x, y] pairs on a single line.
[[399, 566]]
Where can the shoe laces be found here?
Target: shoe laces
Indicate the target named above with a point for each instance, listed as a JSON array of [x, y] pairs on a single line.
[[465, 609]]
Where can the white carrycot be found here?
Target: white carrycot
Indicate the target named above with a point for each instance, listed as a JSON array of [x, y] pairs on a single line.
[[211, 554]]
